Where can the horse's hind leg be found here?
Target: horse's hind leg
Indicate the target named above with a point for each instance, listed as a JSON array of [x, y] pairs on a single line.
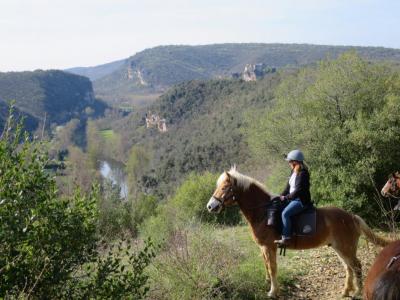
[[353, 266], [349, 286]]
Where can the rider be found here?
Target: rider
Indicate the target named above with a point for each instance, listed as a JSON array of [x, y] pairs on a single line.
[[297, 192]]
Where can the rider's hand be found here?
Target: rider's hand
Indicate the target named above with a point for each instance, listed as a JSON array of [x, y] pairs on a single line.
[[282, 198]]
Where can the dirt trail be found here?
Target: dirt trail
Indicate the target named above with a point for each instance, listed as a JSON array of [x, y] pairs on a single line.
[[324, 274]]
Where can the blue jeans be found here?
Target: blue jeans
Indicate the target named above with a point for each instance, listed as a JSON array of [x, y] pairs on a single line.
[[293, 208]]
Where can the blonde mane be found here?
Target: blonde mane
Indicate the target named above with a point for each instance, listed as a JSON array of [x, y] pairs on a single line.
[[242, 181]]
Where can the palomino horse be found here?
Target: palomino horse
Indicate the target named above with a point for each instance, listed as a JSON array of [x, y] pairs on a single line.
[[392, 188], [383, 279], [335, 227]]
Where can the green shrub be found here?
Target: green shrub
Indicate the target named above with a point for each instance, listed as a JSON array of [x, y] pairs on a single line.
[[116, 274], [42, 238]]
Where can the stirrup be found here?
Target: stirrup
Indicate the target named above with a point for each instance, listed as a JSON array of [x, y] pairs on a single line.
[[282, 244]]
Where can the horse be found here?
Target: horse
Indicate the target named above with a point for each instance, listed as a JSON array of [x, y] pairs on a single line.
[[392, 188], [335, 227], [383, 279]]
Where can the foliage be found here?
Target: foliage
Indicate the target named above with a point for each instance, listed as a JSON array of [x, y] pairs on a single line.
[[117, 274], [344, 115], [49, 246], [55, 95], [143, 208], [115, 218], [210, 262], [136, 167], [164, 66], [187, 206], [204, 121], [42, 238]]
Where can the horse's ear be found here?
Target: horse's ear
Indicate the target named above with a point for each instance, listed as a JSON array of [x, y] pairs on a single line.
[[396, 174], [228, 175]]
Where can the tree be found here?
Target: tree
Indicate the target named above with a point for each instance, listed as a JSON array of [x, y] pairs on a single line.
[[344, 114]]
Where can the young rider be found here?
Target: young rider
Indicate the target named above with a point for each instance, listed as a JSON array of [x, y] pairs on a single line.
[[297, 192]]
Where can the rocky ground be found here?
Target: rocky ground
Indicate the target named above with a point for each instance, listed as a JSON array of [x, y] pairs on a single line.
[[323, 274]]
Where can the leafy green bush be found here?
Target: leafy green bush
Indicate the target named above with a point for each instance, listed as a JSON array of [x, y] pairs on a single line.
[[42, 238], [117, 274]]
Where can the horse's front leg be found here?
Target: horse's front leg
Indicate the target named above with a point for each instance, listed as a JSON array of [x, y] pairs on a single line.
[[269, 255]]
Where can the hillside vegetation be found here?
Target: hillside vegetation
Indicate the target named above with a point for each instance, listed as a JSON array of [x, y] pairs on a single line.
[[342, 113], [153, 70], [54, 95], [59, 241]]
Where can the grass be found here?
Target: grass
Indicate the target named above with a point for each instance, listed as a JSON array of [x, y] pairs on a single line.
[[212, 262]]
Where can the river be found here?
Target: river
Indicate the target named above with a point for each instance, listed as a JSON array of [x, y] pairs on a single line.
[[114, 171]]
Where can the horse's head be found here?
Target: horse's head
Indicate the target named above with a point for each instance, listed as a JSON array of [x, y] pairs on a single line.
[[224, 194], [392, 186]]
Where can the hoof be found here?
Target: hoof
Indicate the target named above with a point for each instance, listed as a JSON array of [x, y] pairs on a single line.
[[272, 294]]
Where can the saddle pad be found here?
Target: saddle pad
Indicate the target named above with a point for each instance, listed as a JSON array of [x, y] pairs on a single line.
[[305, 223]]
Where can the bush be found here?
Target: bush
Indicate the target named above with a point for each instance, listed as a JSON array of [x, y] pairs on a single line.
[[117, 274], [42, 238]]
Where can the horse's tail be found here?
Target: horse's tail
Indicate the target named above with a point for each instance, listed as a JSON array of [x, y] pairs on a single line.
[[369, 234]]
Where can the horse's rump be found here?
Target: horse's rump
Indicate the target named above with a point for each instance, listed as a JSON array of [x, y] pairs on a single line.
[[382, 276]]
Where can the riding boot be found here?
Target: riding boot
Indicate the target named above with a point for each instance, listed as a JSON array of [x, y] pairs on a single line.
[[284, 241]]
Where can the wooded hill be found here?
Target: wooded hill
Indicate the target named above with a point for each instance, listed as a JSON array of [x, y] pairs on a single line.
[[55, 95], [152, 71], [342, 113], [205, 129]]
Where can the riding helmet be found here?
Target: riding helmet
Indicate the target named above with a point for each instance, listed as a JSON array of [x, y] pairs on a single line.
[[295, 155]]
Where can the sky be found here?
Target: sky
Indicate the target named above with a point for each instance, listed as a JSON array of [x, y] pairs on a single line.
[[59, 34]]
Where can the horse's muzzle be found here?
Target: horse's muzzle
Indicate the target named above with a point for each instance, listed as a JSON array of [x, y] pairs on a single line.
[[214, 205]]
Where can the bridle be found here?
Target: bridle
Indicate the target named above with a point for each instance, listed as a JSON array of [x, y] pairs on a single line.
[[234, 198], [225, 196]]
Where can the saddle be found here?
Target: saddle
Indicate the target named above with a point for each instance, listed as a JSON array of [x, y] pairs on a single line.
[[303, 224]]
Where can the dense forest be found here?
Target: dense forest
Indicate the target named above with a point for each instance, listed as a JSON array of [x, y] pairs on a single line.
[[53, 97], [66, 232]]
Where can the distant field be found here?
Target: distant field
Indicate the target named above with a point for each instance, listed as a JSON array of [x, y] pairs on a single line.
[[107, 133]]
